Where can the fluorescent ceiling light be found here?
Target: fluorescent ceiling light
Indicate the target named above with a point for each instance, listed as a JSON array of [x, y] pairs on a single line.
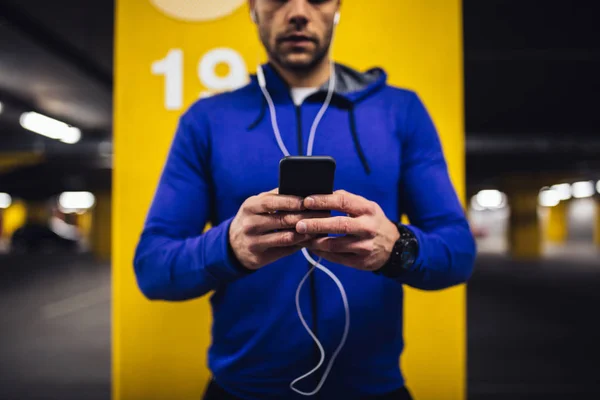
[[74, 201], [475, 205], [1, 107], [582, 190], [549, 198], [598, 186], [490, 199], [563, 190], [50, 127], [5, 200]]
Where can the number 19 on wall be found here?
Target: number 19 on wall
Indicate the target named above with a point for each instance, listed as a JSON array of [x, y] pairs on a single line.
[[171, 67]]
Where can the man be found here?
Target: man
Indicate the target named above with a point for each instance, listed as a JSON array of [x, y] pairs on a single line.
[[222, 168]]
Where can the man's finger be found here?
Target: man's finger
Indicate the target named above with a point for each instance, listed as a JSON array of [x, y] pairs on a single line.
[[279, 252], [342, 201], [334, 225], [270, 203], [346, 244], [347, 259], [277, 239], [262, 223]]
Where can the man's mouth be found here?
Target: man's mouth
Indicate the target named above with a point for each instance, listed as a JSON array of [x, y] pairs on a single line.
[[297, 39]]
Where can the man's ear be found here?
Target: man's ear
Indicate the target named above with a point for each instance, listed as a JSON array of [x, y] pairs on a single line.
[[251, 6]]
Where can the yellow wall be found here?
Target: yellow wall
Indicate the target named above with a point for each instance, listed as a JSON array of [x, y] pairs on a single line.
[[556, 224], [159, 348], [84, 223], [100, 232], [525, 238], [13, 218]]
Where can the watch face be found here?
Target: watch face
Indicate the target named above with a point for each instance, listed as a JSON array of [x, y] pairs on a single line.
[[404, 255], [408, 254]]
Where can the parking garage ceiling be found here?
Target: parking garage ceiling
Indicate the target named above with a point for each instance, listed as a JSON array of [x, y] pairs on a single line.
[[531, 83]]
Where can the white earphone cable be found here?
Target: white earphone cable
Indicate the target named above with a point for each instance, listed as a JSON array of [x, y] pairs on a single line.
[[284, 149], [315, 264], [318, 265], [313, 128]]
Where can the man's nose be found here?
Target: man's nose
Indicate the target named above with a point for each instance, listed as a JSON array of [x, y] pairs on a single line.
[[298, 12]]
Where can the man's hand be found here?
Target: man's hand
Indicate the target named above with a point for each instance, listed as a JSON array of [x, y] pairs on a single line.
[[253, 235], [370, 236]]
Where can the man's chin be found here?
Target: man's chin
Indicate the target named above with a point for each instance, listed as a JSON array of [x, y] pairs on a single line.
[[299, 62]]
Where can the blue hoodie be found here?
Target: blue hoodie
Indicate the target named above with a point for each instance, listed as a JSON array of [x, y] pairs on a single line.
[[224, 151]]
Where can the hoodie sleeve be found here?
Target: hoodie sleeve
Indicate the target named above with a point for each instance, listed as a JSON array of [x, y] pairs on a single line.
[[174, 259], [446, 244]]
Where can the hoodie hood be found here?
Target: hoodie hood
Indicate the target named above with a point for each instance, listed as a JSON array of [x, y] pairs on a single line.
[[351, 86], [355, 85]]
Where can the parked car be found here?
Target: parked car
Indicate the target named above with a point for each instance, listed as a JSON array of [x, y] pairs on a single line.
[[37, 238]]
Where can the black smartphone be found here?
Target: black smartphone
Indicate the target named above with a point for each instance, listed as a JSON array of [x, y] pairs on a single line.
[[306, 175]]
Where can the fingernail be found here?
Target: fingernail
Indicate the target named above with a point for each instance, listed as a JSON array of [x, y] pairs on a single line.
[[301, 227], [309, 202]]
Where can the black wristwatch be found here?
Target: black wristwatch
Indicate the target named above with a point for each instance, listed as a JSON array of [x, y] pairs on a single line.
[[404, 254]]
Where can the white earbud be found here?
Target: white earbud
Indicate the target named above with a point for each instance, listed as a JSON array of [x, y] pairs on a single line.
[[336, 18], [262, 82], [253, 16]]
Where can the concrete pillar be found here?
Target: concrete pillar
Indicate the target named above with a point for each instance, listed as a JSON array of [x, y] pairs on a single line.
[[3, 241], [557, 226], [100, 230], [525, 239], [13, 218], [83, 222], [146, 335]]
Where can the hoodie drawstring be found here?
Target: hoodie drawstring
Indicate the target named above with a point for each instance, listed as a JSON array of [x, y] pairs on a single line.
[[353, 131], [261, 114], [357, 146]]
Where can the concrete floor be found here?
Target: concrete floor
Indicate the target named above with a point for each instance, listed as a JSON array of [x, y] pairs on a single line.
[[532, 328], [55, 328]]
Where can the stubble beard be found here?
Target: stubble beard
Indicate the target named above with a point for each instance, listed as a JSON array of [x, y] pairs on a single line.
[[300, 67]]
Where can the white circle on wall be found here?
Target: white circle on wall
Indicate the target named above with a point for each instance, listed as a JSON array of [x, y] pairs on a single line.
[[197, 10], [236, 77]]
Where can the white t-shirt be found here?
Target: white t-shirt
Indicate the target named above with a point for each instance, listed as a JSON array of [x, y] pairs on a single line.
[[300, 94]]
